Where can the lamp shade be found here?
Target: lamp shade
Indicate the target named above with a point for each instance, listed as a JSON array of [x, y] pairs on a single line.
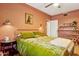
[[8, 30]]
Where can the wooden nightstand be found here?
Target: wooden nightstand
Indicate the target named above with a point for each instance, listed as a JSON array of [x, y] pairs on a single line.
[[8, 48]]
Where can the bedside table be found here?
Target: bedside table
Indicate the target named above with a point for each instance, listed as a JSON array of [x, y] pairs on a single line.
[[8, 48]]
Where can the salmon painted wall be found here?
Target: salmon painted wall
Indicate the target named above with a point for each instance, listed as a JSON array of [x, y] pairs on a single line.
[[73, 15], [16, 14]]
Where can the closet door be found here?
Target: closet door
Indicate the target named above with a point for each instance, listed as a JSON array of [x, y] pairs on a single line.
[[52, 28]]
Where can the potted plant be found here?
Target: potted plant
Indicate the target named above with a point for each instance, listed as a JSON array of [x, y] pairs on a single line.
[[74, 25]]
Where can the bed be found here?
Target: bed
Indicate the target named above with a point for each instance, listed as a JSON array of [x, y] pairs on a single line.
[[40, 46]]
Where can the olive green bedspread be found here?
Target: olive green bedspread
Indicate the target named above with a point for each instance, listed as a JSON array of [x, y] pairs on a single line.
[[37, 47]]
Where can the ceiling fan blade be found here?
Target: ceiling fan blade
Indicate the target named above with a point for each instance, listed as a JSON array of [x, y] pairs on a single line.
[[48, 5]]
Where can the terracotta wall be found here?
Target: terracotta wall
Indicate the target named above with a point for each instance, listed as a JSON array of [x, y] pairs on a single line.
[[16, 14], [73, 15]]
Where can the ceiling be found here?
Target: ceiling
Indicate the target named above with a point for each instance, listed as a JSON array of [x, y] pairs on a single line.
[[52, 10]]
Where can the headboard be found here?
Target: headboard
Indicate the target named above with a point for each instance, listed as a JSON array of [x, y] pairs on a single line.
[[27, 30], [30, 30]]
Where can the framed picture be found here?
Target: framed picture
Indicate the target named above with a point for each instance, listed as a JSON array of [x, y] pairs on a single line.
[[28, 18]]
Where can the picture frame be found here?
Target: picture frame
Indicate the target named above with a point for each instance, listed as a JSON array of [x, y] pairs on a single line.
[[28, 18]]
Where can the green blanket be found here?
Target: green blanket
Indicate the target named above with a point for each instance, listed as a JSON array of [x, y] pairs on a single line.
[[37, 47]]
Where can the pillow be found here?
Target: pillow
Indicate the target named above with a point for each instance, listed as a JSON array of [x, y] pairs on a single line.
[[38, 34], [26, 35]]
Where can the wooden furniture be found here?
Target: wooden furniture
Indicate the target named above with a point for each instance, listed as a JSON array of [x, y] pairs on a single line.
[[8, 48], [67, 31]]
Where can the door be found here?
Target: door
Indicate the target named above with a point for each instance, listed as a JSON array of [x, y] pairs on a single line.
[[52, 28]]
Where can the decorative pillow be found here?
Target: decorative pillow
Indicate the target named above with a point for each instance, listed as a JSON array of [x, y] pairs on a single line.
[[26, 35], [38, 34]]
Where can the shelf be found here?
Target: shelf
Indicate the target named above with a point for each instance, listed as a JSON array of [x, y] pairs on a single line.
[[71, 34], [64, 26], [67, 30]]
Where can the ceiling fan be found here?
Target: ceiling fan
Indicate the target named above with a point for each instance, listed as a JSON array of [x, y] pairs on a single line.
[[54, 4]]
